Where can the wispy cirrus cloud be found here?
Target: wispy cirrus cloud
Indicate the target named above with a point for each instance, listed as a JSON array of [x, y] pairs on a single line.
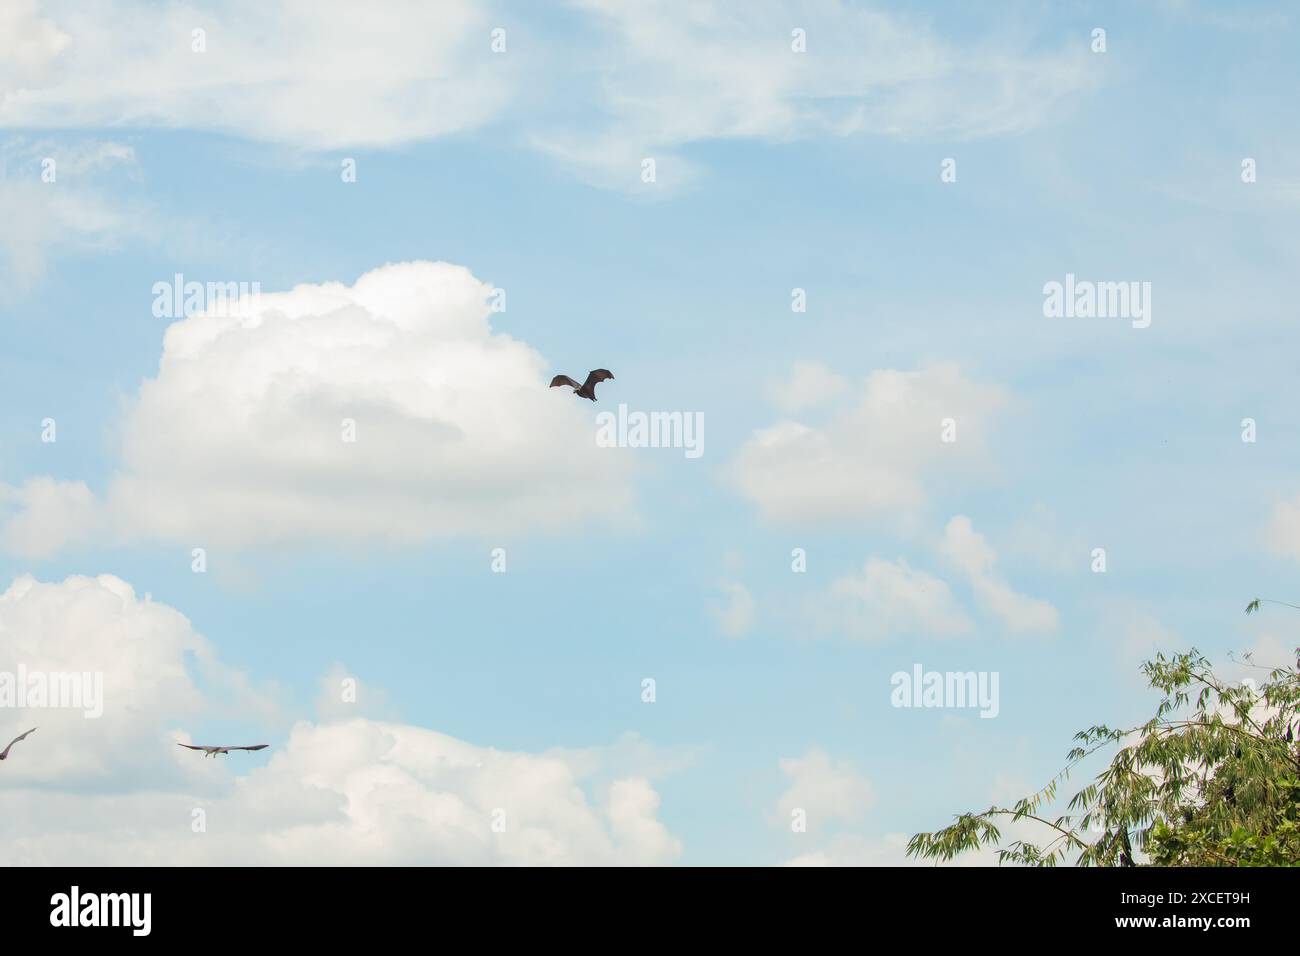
[[56, 195], [643, 79], [778, 72]]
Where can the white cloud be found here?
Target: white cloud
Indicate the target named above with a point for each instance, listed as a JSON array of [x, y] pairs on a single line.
[[675, 77], [1142, 635], [343, 694], [826, 791], [736, 617], [810, 384], [1036, 538], [968, 549], [29, 45], [315, 76], [117, 790], [75, 211], [239, 439], [155, 672], [1132, 633], [875, 458], [891, 599], [647, 77], [80, 158], [890, 849], [1270, 651], [631, 807], [353, 793], [631, 755], [1283, 531], [849, 849], [48, 516]]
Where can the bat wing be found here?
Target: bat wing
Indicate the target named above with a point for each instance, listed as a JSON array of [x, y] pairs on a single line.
[[4, 755], [564, 380], [596, 376]]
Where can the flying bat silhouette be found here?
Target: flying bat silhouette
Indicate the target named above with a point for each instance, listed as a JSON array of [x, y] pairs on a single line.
[[588, 388], [4, 754], [213, 751]]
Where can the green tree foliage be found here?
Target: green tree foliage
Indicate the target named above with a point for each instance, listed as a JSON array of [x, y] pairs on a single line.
[[1212, 779]]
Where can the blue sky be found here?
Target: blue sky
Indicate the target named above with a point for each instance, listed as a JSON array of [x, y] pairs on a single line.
[[1123, 165]]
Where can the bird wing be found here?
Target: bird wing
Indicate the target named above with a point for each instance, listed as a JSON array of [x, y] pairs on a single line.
[[597, 375], [4, 755], [254, 747], [193, 747], [564, 380]]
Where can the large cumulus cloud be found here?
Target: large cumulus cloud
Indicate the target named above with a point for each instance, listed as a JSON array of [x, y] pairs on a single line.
[[242, 438], [117, 790], [155, 674]]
